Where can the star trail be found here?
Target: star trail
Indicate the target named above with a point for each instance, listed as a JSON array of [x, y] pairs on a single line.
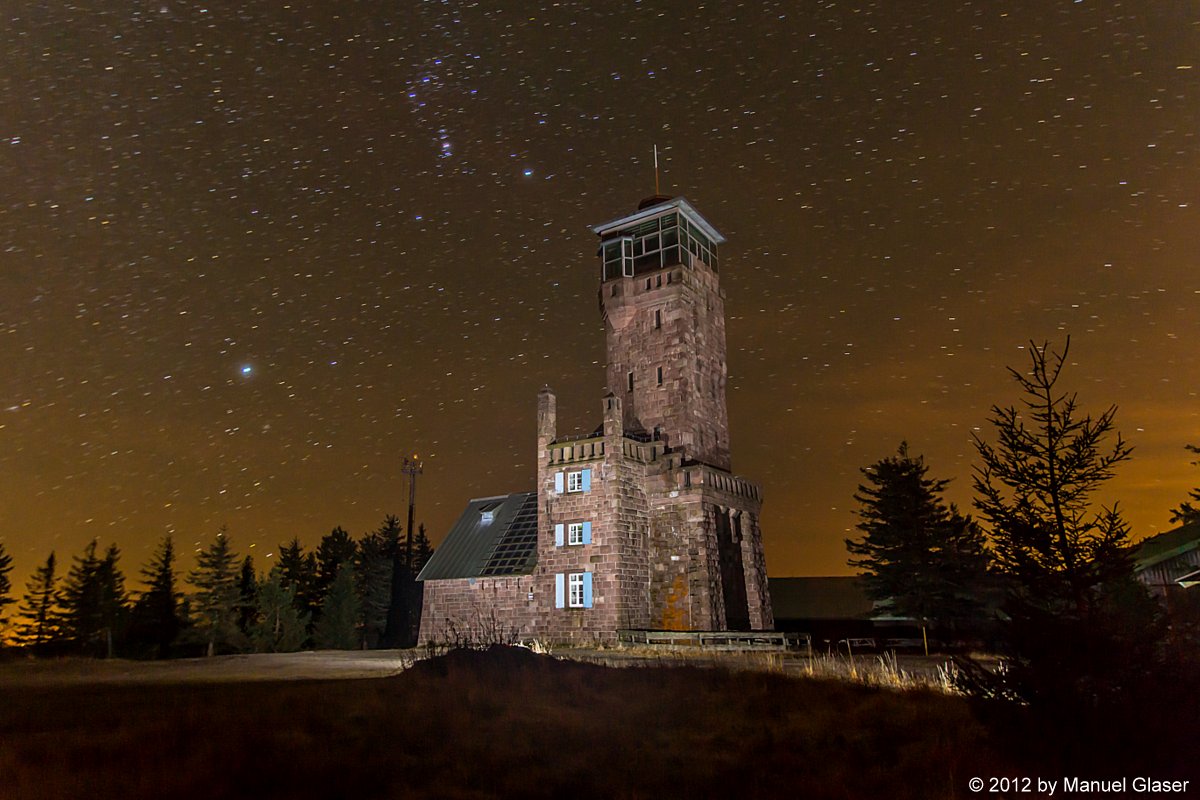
[[251, 256]]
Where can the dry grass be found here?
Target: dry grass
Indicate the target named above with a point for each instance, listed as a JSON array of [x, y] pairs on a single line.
[[504, 723]]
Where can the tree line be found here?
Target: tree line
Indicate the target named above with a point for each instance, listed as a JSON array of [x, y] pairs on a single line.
[[1045, 575], [343, 594]]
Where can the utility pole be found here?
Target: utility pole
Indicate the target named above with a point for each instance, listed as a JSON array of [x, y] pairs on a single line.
[[399, 617], [411, 468]]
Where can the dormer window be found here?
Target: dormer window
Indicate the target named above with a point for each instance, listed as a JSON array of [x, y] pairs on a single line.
[[487, 511]]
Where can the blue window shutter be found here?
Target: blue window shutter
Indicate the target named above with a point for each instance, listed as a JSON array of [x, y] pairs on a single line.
[[558, 535], [558, 483], [587, 590], [587, 480], [560, 581], [587, 533]]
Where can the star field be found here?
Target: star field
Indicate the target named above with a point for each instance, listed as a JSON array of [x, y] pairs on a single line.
[[250, 257]]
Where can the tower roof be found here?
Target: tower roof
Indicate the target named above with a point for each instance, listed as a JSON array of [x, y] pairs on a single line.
[[678, 203]]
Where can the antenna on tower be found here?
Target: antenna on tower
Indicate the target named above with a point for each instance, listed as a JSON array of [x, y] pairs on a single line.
[[656, 169]]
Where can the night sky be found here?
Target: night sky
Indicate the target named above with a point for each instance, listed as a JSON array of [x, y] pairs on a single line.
[[253, 254]]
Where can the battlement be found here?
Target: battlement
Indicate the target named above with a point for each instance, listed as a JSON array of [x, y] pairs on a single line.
[[593, 447], [719, 480]]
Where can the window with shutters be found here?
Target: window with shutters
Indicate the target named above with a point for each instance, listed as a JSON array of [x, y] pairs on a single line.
[[575, 533], [575, 589], [574, 481]]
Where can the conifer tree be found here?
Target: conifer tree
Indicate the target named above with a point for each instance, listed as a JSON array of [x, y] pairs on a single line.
[[373, 579], [924, 557], [279, 627], [216, 599], [156, 615], [335, 549], [395, 629], [1187, 513], [39, 611], [6, 598], [1080, 635], [298, 572], [337, 629], [247, 595], [114, 601], [422, 550], [92, 601]]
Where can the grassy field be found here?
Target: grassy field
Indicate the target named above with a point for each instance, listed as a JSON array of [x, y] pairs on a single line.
[[504, 723]]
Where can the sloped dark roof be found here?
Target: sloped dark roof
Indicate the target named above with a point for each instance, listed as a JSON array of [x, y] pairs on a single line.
[[820, 598], [1189, 580], [494, 536], [1166, 546]]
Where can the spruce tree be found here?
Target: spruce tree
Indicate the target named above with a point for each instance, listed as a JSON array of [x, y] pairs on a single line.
[[1187, 513], [373, 579], [216, 599], [337, 629], [335, 549], [156, 615], [298, 572], [247, 595], [394, 631], [38, 614], [114, 601], [92, 602], [1080, 635], [6, 598], [924, 557], [279, 627], [422, 550]]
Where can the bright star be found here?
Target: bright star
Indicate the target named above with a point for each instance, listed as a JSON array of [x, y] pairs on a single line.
[[247, 369]]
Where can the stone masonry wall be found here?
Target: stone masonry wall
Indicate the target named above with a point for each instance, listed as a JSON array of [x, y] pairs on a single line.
[[673, 319], [616, 556], [478, 610]]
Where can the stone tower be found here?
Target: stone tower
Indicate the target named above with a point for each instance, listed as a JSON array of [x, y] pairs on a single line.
[[640, 524], [664, 319]]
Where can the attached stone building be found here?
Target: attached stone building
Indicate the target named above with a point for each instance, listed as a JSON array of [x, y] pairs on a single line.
[[640, 525]]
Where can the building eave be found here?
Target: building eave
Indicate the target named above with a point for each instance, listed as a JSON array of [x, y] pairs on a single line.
[[678, 203]]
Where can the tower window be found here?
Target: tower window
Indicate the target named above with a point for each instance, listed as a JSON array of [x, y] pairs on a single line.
[[658, 316], [629, 382], [660, 376], [575, 581]]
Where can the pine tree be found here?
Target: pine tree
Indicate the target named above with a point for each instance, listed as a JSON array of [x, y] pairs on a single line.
[[298, 572], [337, 629], [5, 589], [114, 601], [216, 599], [247, 595], [92, 601], [1187, 513], [396, 627], [279, 627], [422, 550], [924, 557], [39, 611], [373, 579], [1080, 635], [156, 615], [335, 549]]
